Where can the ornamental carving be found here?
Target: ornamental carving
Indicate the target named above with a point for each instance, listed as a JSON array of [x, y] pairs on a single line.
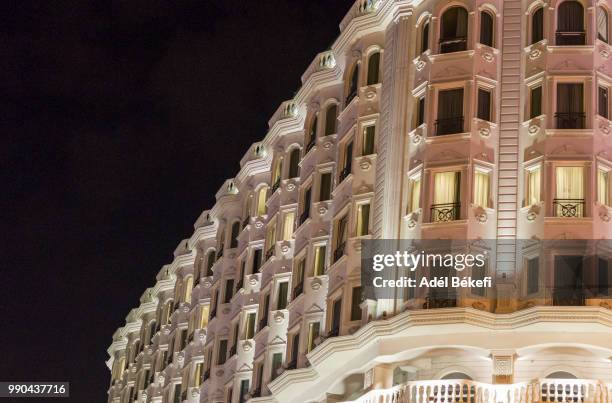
[[247, 346], [259, 224], [279, 316], [420, 65], [370, 94], [533, 130], [290, 187], [535, 54], [195, 392], [604, 128], [316, 283], [488, 57], [327, 145], [160, 379], [253, 279], [322, 210], [416, 138], [285, 248], [482, 218], [604, 53], [365, 164], [605, 217], [484, 131]]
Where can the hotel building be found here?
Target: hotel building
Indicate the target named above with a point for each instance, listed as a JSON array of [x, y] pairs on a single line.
[[462, 119]]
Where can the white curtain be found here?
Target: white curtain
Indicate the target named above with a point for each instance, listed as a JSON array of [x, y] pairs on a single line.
[[570, 185], [446, 185], [602, 24], [415, 194], [481, 189], [261, 201], [533, 187], [288, 224], [602, 187]]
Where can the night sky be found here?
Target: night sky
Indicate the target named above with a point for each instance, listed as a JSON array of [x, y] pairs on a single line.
[[118, 123]]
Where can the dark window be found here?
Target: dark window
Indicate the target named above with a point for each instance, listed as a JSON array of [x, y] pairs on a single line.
[[325, 187], [355, 302], [537, 25], [535, 102], [235, 233], [177, 393], [295, 347], [244, 390], [453, 34], [486, 28], [331, 119], [277, 361], [353, 83], [374, 69], [602, 102], [603, 278], [570, 106], [425, 37], [450, 112], [250, 326], [336, 317], [283, 288], [229, 289], [210, 261], [256, 260], [533, 275], [369, 135], [420, 111], [570, 24], [222, 352], [294, 161], [484, 105]]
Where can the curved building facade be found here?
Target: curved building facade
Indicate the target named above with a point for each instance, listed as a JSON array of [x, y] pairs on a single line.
[[463, 119]]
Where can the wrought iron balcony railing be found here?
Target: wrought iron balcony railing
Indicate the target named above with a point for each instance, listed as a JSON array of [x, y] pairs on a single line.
[[450, 45], [568, 207], [570, 38], [450, 125], [570, 120], [445, 212]]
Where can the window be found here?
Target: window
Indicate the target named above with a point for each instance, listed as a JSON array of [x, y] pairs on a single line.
[[229, 290], [450, 112], [369, 134], [603, 277], [288, 225], [187, 289], [415, 194], [603, 187], [262, 197], [425, 37], [486, 28], [270, 239], [210, 261], [341, 237], [312, 133], [537, 25], [203, 316], [363, 219], [235, 233], [355, 302], [535, 102], [176, 397], [374, 69], [277, 361], [484, 105], [570, 106], [265, 307], [313, 333], [319, 260], [167, 312], [197, 374], [602, 102], [244, 390], [353, 84], [256, 260], [347, 161], [602, 24], [570, 24], [294, 163], [295, 347], [249, 327], [420, 111], [325, 186], [533, 275], [569, 196], [298, 277], [306, 199], [336, 319], [281, 300], [481, 189], [277, 173], [453, 30], [331, 116], [446, 202], [532, 186], [222, 352]]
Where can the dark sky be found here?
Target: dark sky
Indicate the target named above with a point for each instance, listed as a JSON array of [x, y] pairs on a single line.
[[118, 123]]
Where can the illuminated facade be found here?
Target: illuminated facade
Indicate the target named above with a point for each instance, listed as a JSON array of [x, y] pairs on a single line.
[[425, 120]]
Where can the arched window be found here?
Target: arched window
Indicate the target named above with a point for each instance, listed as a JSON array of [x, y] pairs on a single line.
[[235, 233], [602, 24], [311, 134], [331, 117], [277, 173], [248, 203], [262, 197], [456, 375], [210, 261], [353, 83], [425, 37], [486, 28], [453, 31], [570, 24], [561, 375], [294, 163], [374, 69], [537, 25]]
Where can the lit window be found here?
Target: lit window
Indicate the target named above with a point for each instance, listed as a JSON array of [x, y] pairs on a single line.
[[374, 69], [262, 196], [415, 194], [532, 186], [319, 260], [446, 197], [288, 225], [603, 186], [363, 219], [569, 196], [313, 333], [481, 189]]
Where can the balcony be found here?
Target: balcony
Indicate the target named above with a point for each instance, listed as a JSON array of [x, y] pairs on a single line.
[[450, 125], [445, 212], [450, 45], [339, 252], [568, 207], [570, 38], [297, 290], [570, 120], [346, 171]]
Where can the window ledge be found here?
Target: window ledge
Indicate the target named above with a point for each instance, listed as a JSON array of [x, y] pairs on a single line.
[[448, 137], [439, 57]]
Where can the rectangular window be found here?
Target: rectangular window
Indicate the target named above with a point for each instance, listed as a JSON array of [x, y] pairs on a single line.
[[277, 361], [447, 190], [484, 105], [533, 275], [229, 290], [602, 102], [244, 390], [197, 374], [249, 327], [481, 189], [363, 219], [415, 194], [265, 308], [288, 225], [222, 352], [203, 318], [603, 187], [270, 236], [450, 112], [187, 289], [298, 277], [535, 102], [347, 162], [319, 260], [281, 301], [420, 111], [177, 393], [355, 302], [341, 236], [306, 201], [325, 186], [256, 260], [570, 106], [369, 134], [336, 319], [532, 186], [295, 347], [313, 333], [603, 277], [569, 196]]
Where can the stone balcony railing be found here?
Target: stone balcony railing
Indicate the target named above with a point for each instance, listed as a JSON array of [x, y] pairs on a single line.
[[541, 390]]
